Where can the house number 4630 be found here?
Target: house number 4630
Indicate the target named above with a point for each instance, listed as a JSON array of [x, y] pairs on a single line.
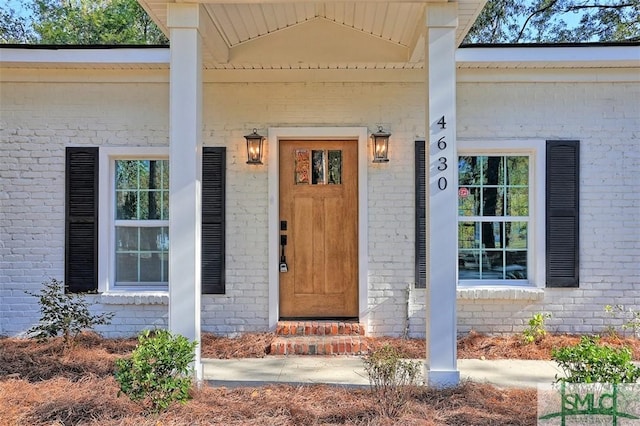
[[442, 161]]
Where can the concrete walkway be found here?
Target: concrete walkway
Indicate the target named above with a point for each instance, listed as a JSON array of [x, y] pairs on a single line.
[[349, 371]]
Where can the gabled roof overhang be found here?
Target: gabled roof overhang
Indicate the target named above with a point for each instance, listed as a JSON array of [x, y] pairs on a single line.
[[300, 34]]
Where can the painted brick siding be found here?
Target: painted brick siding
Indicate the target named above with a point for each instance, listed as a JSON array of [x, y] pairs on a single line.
[[232, 110], [605, 117], [38, 120]]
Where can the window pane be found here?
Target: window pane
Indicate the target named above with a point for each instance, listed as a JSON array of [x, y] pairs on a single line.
[[142, 254], [469, 235], [517, 202], [335, 167], [493, 202], [517, 171], [126, 174], [492, 265], [126, 239], [469, 264], [469, 170], [126, 205], [491, 235], [493, 171], [165, 205], [516, 235], [468, 201], [126, 267], [142, 190], [516, 268]]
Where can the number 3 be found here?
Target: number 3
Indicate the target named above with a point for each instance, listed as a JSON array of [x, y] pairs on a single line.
[[443, 164]]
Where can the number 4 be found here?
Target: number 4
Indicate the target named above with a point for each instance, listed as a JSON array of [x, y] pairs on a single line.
[[442, 123]]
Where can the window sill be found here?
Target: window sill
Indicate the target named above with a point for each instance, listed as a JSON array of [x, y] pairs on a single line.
[[500, 293], [138, 298]]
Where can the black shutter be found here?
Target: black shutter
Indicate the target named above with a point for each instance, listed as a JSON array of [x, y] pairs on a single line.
[[421, 216], [213, 220], [562, 198], [81, 220]]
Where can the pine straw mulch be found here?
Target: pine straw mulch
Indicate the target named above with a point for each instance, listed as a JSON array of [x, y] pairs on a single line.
[[43, 384]]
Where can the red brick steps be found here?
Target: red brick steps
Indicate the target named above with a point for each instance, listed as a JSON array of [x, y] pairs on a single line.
[[319, 338]]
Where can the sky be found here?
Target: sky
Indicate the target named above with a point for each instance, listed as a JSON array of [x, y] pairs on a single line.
[[17, 5]]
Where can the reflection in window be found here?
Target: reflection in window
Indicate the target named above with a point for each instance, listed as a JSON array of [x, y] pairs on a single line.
[[493, 210], [141, 222]]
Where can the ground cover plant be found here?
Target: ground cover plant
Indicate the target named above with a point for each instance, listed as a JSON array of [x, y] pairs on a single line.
[[44, 384]]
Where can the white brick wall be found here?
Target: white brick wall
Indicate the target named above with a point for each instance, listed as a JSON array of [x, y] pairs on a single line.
[[605, 117], [39, 119]]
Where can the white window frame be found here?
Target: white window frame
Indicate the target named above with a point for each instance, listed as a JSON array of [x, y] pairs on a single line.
[[106, 217], [536, 151]]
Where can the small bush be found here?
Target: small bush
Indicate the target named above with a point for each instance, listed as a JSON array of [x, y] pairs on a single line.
[[536, 330], [589, 362], [630, 320], [391, 378], [65, 314], [158, 372]]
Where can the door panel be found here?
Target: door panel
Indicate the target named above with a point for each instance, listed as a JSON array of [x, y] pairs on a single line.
[[319, 201]]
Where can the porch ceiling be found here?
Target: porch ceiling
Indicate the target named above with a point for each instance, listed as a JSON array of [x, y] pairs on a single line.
[[302, 34]]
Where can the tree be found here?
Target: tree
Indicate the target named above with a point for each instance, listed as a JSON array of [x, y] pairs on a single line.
[[14, 28], [83, 22], [556, 21]]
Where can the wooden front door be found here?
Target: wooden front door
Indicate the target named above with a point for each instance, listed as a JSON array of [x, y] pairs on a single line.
[[319, 208]]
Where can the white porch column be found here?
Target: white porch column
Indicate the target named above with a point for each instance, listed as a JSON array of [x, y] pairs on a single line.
[[185, 165], [442, 210]]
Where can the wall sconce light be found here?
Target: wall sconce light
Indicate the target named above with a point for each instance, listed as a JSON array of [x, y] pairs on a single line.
[[380, 146], [254, 147]]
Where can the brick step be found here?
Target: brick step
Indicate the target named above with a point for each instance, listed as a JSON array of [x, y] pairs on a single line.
[[319, 328], [319, 345]]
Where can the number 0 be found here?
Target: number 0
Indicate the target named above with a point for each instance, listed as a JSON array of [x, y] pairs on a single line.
[[442, 183]]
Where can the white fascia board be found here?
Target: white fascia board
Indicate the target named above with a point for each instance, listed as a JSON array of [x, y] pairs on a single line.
[[608, 56], [85, 56]]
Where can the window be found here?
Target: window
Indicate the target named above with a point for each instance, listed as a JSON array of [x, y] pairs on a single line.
[[134, 219], [493, 222], [518, 213], [141, 225], [117, 219]]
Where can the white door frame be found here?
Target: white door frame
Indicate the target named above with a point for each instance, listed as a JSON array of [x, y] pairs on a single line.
[[356, 134]]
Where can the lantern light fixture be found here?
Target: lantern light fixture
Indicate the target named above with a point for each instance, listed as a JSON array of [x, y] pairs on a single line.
[[254, 147], [380, 146]]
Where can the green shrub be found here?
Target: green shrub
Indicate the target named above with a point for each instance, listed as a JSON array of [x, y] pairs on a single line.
[[391, 377], [630, 320], [158, 372], [65, 314], [536, 330], [589, 362]]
